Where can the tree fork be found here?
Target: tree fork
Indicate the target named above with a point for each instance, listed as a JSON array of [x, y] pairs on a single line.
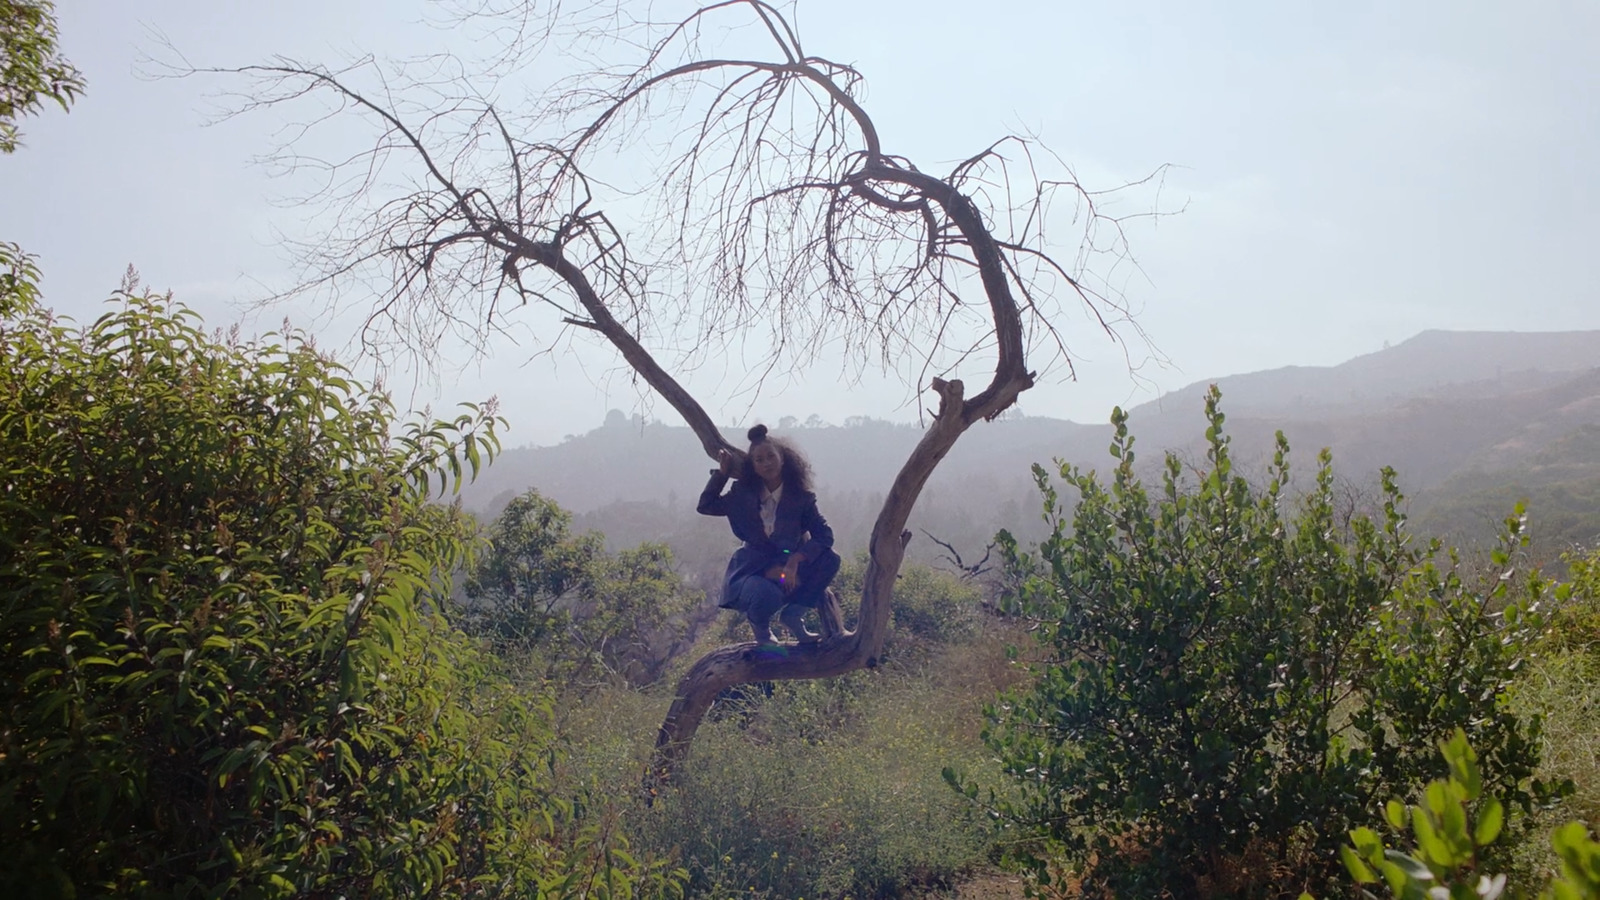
[[452, 239], [747, 662]]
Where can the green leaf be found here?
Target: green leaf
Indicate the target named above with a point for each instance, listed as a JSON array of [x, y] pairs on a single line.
[[1358, 868], [1490, 819], [1367, 841], [1395, 812], [1463, 762], [1430, 844], [1414, 869], [1568, 839]]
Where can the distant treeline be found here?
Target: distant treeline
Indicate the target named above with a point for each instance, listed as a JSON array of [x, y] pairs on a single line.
[[1469, 434]]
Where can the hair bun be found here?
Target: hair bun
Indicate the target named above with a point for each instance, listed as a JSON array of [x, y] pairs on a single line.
[[758, 434]]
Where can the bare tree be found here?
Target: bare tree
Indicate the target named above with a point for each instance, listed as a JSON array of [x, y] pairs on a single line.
[[727, 188]]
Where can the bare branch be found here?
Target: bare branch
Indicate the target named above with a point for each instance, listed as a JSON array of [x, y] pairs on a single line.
[[718, 195], [953, 556]]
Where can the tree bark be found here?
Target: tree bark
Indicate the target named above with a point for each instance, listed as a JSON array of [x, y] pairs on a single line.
[[743, 663], [447, 237]]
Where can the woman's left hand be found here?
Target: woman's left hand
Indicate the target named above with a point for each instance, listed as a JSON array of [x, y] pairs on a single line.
[[786, 576]]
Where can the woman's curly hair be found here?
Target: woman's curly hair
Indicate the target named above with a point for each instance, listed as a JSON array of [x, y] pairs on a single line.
[[796, 468]]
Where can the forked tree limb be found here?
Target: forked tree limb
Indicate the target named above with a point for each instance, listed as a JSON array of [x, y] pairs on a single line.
[[750, 662], [850, 240], [552, 257]]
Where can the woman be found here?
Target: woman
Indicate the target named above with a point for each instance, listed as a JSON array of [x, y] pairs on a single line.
[[787, 560]]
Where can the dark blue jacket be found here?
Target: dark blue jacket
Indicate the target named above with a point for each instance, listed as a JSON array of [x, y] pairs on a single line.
[[797, 528]]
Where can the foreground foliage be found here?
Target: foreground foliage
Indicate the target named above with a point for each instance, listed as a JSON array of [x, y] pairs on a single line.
[[222, 672], [19, 279], [32, 69], [1450, 831], [1232, 678]]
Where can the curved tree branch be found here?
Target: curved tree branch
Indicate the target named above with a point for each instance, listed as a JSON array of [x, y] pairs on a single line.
[[776, 207]]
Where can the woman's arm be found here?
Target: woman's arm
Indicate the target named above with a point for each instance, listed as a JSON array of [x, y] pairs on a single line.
[[712, 501]]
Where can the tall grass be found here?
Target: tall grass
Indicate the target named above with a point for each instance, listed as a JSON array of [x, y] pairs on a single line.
[[1562, 685], [827, 789], [811, 789], [1565, 689]]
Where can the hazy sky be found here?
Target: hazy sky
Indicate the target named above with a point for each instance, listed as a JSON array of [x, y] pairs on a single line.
[[1348, 174]]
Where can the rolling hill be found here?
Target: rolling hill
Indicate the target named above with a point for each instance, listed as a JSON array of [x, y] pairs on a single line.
[[1472, 421]]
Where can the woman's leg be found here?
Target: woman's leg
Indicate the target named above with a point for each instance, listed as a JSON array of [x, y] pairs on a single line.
[[815, 576], [760, 599], [794, 619]]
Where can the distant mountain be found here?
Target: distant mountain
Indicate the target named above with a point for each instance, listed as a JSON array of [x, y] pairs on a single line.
[[629, 459], [1427, 439], [1434, 363], [1436, 405], [1458, 412]]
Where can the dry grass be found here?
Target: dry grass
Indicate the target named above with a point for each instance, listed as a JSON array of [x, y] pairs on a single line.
[[1565, 688], [985, 884], [821, 789]]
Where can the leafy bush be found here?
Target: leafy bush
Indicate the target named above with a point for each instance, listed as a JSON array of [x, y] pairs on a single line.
[[19, 279], [1575, 622], [1451, 829], [32, 69], [221, 668], [1230, 678], [541, 590], [532, 562]]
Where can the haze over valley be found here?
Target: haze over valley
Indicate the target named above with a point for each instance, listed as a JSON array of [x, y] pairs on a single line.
[[1472, 422]]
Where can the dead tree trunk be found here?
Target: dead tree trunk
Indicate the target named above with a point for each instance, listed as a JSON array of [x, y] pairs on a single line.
[[847, 651], [779, 207], [742, 663]]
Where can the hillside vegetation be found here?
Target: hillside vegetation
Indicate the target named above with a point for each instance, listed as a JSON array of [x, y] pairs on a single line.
[[238, 665], [254, 644]]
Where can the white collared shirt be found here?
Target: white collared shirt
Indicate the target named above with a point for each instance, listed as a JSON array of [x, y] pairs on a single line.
[[769, 508]]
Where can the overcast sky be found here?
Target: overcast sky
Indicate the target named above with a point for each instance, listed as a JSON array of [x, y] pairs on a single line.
[[1348, 174]]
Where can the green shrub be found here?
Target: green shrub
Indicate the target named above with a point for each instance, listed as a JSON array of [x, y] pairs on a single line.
[[531, 564], [1451, 829], [1575, 623], [19, 279], [32, 69], [1229, 678], [222, 671], [558, 602]]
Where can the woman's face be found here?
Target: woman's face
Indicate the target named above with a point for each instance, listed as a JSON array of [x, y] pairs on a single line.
[[768, 462]]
